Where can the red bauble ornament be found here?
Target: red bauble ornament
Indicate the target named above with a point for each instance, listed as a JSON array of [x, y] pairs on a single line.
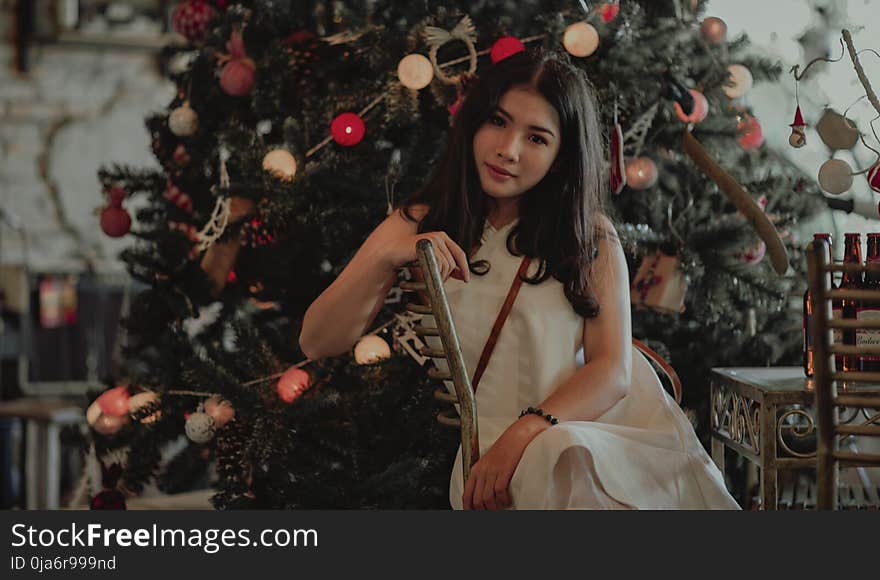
[[115, 221], [609, 11], [504, 47], [751, 134], [114, 402], [237, 78], [701, 108], [347, 129], [191, 19], [292, 384], [874, 177]]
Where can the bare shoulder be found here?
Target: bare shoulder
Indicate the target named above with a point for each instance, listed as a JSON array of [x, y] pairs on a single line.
[[605, 230]]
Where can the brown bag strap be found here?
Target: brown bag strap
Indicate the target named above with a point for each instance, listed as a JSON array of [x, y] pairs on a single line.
[[499, 322]]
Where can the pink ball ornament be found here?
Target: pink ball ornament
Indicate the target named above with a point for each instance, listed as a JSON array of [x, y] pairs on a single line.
[[190, 19], [220, 410], [504, 47], [238, 77], [292, 384], [874, 177], [641, 173], [751, 134], [114, 401], [714, 30], [347, 129], [701, 108]]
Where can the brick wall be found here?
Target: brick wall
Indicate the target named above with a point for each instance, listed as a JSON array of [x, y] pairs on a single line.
[[76, 109]]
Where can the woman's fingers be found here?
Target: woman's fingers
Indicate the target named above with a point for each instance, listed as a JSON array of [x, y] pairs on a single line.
[[489, 493], [460, 258]]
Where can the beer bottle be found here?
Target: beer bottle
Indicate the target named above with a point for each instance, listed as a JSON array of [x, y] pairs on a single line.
[[852, 254], [808, 309], [870, 310]]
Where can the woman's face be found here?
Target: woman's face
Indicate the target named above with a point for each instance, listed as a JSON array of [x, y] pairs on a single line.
[[516, 146]]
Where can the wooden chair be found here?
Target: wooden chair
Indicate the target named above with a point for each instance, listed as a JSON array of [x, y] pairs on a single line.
[[429, 284], [840, 392]]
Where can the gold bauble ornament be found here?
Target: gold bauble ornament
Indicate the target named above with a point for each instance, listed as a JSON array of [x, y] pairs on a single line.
[[415, 71], [580, 39], [371, 349], [280, 164], [641, 173]]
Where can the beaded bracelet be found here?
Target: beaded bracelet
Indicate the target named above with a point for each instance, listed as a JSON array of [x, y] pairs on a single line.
[[539, 412]]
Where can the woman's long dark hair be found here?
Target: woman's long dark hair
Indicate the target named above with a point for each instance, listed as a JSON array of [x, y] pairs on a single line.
[[558, 216]]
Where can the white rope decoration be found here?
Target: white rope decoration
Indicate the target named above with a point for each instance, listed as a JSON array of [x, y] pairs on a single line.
[[220, 216], [634, 138]]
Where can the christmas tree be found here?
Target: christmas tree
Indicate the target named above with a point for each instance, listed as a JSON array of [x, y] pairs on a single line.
[[298, 125]]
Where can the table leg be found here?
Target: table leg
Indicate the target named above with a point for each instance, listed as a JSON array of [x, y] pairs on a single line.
[[52, 466], [768, 457], [32, 464]]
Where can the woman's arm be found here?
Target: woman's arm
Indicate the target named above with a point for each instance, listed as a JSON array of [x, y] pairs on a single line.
[[606, 376], [344, 311]]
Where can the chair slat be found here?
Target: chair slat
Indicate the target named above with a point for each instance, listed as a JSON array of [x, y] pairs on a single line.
[[418, 308], [864, 430], [859, 401], [426, 330], [437, 374], [852, 349], [856, 376], [445, 396], [413, 286], [854, 294], [850, 323], [432, 352]]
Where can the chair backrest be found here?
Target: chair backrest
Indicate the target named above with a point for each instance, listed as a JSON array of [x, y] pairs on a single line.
[[429, 284], [852, 393]]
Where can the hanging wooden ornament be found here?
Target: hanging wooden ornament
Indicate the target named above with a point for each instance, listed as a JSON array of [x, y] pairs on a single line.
[[836, 131]]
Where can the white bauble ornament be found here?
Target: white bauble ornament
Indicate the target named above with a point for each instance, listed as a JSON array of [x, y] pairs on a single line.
[[183, 121], [580, 39], [836, 131], [200, 427], [415, 71], [371, 349], [835, 176], [281, 164], [740, 81]]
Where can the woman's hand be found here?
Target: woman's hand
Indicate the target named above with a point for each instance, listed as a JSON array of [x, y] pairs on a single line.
[[487, 488], [450, 257]]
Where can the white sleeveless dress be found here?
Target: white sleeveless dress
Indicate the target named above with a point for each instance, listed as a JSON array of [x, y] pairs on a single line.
[[641, 454]]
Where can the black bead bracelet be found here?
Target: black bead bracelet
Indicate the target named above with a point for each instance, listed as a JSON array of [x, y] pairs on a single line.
[[539, 412]]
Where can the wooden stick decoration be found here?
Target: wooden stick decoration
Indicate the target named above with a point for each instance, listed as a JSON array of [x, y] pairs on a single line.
[[742, 200]]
